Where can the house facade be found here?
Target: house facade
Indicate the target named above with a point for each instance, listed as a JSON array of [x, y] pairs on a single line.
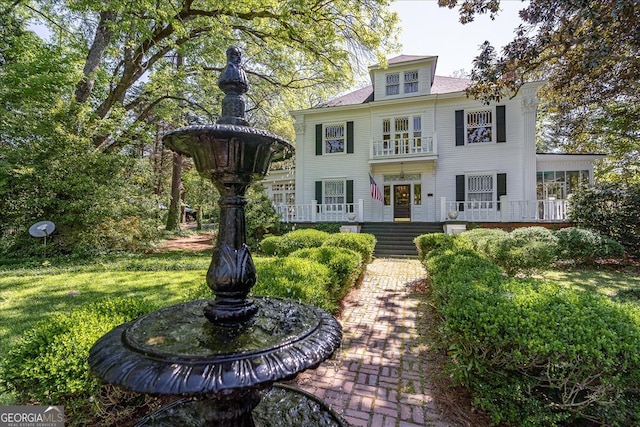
[[412, 147]]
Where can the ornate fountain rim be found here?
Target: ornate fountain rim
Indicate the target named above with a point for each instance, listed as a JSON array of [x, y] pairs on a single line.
[[138, 371]]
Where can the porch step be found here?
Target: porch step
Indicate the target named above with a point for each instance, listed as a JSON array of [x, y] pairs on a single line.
[[395, 239]]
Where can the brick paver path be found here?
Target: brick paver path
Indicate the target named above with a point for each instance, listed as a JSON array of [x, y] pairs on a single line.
[[376, 378]]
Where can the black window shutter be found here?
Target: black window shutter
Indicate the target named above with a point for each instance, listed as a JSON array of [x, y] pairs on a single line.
[[349, 137], [501, 124], [349, 191], [460, 193], [319, 140], [459, 127], [502, 186], [319, 192]]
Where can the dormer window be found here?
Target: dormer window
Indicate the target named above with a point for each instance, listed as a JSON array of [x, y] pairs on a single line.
[[393, 84], [411, 81]]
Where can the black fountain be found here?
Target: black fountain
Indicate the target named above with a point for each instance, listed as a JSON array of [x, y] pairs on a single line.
[[224, 356]]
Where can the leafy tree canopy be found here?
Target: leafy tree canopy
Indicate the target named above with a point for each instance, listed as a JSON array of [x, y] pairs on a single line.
[[589, 52]]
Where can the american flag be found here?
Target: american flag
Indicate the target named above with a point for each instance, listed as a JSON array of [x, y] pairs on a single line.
[[375, 191]]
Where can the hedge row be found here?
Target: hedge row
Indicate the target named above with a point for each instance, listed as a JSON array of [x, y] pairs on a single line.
[[531, 248], [531, 352], [362, 243]]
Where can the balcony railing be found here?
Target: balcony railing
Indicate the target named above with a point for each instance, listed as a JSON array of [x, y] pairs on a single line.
[[555, 210], [406, 147]]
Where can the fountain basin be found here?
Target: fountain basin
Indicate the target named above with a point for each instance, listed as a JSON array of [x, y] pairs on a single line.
[[177, 350], [225, 151]]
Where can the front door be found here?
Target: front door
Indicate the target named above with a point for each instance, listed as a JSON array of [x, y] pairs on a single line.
[[402, 202]]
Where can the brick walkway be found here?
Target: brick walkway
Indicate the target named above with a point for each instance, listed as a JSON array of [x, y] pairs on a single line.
[[376, 379]]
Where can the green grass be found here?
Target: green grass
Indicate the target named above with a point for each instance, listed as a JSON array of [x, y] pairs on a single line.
[[623, 284], [28, 294]]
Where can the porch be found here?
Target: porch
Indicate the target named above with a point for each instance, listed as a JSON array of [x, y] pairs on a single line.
[[506, 210]]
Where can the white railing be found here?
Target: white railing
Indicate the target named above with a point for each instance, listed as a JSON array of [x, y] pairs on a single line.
[[510, 210], [315, 212], [403, 147]]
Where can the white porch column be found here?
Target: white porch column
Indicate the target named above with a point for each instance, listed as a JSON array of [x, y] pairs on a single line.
[[314, 210], [529, 106], [505, 209], [443, 209]]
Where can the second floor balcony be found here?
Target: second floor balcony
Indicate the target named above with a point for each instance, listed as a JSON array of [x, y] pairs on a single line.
[[424, 147]]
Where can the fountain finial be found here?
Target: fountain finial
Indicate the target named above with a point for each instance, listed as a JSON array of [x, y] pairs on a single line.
[[233, 82]]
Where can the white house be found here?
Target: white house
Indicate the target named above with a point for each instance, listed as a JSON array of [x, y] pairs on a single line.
[[432, 154]]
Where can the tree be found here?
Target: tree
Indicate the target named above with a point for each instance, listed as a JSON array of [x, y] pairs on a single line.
[[93, 97], [588, 51]]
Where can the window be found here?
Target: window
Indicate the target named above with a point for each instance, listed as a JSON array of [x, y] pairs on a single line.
[[283, 194], [480, 191], [411, 81], [387, 195], [417, 133], [334, 139], [393, 84], [559, 184], [417, 194], [479, 127], [334, 194]]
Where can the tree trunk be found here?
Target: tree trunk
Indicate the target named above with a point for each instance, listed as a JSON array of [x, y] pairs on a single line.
[[175, 211], [99, 45]]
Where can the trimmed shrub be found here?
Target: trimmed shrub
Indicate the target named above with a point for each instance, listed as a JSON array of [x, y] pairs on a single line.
[[295, 278], [534, 353], [344, 264], [610, 208], [522, 250], [363, 243], [297, 239], [586, 245], [425, 243], [269, 245], [329, 227], [49, 364]]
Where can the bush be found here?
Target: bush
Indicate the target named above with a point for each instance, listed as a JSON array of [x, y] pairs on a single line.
[[292, 241], [269, 245], [344, 264], [611, 209], [329, 227], [299, 279], [362, 243], [531, 352], [586, 245], [522, 250], [49, 364], [425, 243]]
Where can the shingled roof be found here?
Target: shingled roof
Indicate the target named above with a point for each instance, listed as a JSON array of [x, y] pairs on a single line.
[[364, 95]]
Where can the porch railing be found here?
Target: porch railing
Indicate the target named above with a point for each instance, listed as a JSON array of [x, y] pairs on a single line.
[[316, 212], [506, 210], [403, 147]]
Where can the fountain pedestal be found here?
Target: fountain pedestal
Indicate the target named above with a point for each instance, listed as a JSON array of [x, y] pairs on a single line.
[[224, 355]]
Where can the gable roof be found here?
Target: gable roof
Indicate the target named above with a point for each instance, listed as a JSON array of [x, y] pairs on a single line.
[[364, 95]]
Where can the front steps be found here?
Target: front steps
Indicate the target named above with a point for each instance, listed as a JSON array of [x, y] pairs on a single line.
[[395, 239]]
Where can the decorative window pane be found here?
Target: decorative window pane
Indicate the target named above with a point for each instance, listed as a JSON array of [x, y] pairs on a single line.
[[411, 81], [334, 138], [417, 194], [334, 192], [480, 191], [393, 84], [387, 195], [479, 126], [417, 131]]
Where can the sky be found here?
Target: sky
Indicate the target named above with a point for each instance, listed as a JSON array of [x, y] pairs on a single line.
[[431, 30]]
